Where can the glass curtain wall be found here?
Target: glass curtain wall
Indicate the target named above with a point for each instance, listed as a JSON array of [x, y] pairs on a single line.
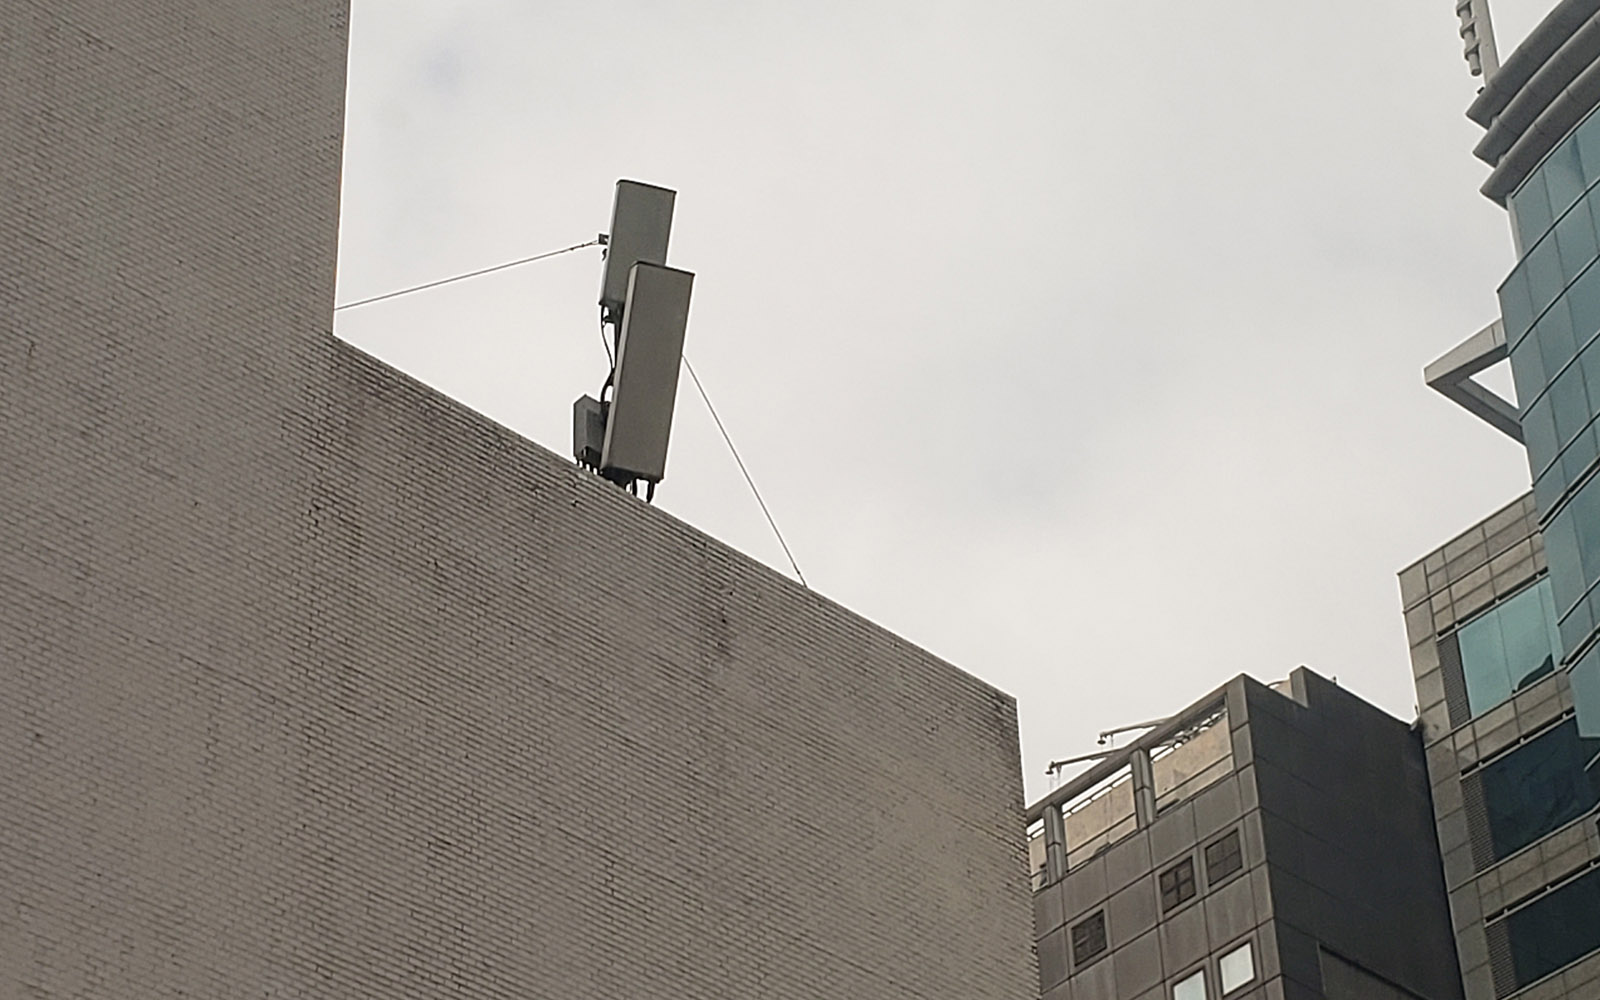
[[1551, 308]]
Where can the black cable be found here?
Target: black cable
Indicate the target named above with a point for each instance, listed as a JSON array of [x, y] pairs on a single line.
[[597, 241], [746, 472]]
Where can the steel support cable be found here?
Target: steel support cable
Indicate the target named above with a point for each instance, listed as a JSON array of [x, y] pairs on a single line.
[[752, 483], [597, 241]]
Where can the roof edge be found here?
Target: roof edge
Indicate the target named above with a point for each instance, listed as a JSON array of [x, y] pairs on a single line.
[[1542, 43]]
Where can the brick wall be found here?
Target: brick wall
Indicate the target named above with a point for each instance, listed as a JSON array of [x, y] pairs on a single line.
[[314, 683]]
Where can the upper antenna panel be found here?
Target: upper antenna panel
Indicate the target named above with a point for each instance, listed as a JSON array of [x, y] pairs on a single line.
[[1477, 34], [641, 223]]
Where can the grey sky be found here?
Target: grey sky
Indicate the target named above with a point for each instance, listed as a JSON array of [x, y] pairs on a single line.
[[1079, 343]]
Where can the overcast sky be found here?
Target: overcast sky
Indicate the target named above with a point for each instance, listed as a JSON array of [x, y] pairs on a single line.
[[1080, 343]]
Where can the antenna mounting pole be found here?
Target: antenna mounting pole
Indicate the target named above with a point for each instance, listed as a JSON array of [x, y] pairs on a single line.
[[1477, 35]]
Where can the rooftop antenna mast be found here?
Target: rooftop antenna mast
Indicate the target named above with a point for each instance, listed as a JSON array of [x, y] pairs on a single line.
[[1477, 35], [623, 435]]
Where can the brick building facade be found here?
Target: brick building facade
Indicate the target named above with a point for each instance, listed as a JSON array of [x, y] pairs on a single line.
[[316, 683]]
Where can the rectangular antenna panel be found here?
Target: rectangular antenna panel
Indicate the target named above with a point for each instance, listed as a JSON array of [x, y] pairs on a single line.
[[640, 419], [641, 222]]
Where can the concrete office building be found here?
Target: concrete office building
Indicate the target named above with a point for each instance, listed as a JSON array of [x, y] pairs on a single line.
[[317, 684], [1263, 844], [1514, 802]]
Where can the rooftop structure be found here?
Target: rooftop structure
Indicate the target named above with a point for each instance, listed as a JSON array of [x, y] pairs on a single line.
[[1263, 842]]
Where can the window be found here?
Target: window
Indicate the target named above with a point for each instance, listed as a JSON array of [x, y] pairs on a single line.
[[1509, 647], [1238, 967], [1089, 939], [1223, 858], [1541, 785], [1533, 208], [1556, 930], [1177, 885], [1575, 238], [1563, 175], [1192, 988]]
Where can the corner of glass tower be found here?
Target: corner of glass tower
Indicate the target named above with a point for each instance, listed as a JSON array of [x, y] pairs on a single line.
[[1542, 139]]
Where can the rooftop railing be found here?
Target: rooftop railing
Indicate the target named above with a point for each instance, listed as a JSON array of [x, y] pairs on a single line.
[[1128, 790]]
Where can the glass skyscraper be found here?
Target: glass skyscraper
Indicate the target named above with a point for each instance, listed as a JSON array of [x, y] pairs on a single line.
[[1502, 619], [1543, 140]]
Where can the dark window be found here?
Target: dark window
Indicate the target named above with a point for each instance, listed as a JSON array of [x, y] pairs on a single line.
[[1223, 858], [1557, 930], [1089, 939], [1177, 884], [1455, 683], [1538, 787]]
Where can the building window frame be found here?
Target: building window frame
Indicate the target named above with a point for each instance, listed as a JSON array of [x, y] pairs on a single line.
[[1471, 676], [1231, 852], [1178, 884], [1090, 942], [1254, 978], [1188, 979]]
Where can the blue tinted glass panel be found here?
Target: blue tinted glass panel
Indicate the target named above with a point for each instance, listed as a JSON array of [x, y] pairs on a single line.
[[1583, 299], [1569, 403], [1515, 306], [1528, 624], [1533, 209], [1591, 369], [1578, 455], [1554, 333], [1539, 787], [1585, 508], [1508, 647], [1586, 693], [1527, 369], [1556, 930], [1577, 625], [1538, 430], [1563, 176], [1576, 241], [1488, 681], [1561, 550], [1548, 487], [1544, 275], [1587, 136]]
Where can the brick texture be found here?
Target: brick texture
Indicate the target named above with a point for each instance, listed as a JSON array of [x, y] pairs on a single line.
[[314, 683]]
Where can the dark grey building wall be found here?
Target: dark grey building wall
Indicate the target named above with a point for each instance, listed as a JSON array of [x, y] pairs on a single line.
[[318, 684], [1351, 851]]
